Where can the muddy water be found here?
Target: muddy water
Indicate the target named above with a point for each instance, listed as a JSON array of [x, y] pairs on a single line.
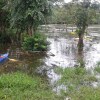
[[62, 53]]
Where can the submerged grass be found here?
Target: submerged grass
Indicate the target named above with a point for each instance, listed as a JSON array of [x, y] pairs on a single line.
[[78, 84], [85, 93], [74, 76], [97, 69], [20, 86]]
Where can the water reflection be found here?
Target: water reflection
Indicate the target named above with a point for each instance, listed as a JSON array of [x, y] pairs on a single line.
[[62, 52], [92, 57]]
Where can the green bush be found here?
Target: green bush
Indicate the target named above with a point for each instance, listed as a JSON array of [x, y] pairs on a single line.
[[37, 42]]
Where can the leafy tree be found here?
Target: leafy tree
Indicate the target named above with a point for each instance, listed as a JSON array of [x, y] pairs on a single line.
[[4, 17], [27, 14], [4, 22], [82, 17]]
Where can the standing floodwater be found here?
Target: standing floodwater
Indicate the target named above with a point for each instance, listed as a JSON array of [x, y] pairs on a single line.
[[62, 53], [63, 48]]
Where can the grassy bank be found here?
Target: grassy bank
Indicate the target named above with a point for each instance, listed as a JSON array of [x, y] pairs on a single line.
[[19, 86]]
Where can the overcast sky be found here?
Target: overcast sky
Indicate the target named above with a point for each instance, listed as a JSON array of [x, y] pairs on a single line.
[[67, 1], [71, 0]]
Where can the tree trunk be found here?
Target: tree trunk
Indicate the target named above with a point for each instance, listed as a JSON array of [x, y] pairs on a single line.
[[66, 27], [80, 44], [81, 35], [34, 30], [80, 50], [80, 41], [80, 58], [18, 35], [30, 31]]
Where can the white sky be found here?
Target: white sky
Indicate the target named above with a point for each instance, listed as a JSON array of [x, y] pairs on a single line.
[[67, 1], [71, 0]]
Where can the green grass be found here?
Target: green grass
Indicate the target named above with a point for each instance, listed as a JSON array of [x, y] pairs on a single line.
[[85, 93], [97, 69], [77, 81], [20, 86], [75, 76]]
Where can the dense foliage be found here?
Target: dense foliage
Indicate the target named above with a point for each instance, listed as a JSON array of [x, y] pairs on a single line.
[[18, 16], [4, 23], [27, 14], [66, 12], [24, 16], [37, 42]]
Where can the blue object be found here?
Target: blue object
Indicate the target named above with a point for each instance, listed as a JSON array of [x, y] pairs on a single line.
[[3, 57]]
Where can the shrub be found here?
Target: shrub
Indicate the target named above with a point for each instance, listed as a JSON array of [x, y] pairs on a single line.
[[37, 42]]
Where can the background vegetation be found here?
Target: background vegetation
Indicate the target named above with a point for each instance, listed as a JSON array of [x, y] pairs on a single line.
[[18, 17]]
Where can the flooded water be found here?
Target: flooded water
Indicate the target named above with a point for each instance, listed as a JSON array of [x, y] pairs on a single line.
[[62, 53], [63, 49]]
